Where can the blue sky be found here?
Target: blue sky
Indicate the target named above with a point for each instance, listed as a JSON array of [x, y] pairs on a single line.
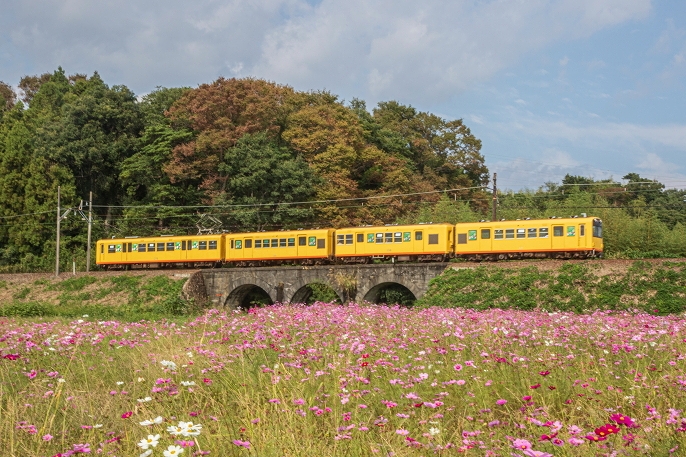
[[587, 87]]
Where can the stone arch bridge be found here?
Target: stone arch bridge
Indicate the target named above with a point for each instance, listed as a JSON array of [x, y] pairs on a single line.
[[229, 287]]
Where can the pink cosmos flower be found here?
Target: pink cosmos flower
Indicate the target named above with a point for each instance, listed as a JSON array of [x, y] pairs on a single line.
[[245, 444], [521, 444], [501, 402], [127, 414], [532, 453]]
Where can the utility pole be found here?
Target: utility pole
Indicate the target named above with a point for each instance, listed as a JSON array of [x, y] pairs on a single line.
[[495, 197], [57, 253], [90, 223]]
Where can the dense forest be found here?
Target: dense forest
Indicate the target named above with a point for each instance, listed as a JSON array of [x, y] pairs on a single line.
[[248, 154]]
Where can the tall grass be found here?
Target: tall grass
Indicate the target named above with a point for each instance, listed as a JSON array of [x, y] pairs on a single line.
[[345, 381]]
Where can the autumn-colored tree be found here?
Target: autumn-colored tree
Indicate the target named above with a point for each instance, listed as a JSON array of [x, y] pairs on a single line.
[[219, 114], [30, 85], [7, 97]]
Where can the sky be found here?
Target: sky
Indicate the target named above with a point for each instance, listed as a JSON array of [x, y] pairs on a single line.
[[595, 88]]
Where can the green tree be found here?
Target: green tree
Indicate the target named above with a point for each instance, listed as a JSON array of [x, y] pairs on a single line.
[[260, 172]]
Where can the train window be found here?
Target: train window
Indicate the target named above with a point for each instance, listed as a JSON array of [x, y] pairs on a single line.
[[202, 245], [543, 232], [557, 230], [389, 237], [312, 241], [349, 239], [170, 246], [282, 242], [340, 239], [183, 245], [509, 233], [133, 247], [213, 244], [582, 230], [521, 233], [160, 246], [379, 237], [418, 236], [102, 249], [485, 234], [498, 234], [398, 237], [151, 247], [232, 244], [265, 243], [239, 244], [141, 247], [531, 233], [111, 249], [407, 236], [360, 238], [275, 242], [597, 230], [248, 243], [291, 242], [370, 237], [258, 244], [124, 250], [321, 243], [433, 238], [302, 241], [571, 230], [461, 238]]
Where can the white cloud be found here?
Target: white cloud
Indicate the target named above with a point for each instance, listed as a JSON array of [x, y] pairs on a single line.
[[420, 52]]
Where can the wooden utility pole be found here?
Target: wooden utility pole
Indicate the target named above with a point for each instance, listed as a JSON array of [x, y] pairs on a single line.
[[57, 253], [494, 216], [90, 223]]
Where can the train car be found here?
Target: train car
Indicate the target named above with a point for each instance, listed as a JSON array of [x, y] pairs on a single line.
[[305, 247], [403, 243], [160, 251], [561, 238]]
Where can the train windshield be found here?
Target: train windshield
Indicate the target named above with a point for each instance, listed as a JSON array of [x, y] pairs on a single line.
[[597, 228]]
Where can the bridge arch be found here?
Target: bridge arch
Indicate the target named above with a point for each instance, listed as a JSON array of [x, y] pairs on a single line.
[[241, 290], [305, 292], [404, 293]]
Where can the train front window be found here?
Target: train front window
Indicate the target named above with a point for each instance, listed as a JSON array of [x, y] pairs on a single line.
[[597, 229]]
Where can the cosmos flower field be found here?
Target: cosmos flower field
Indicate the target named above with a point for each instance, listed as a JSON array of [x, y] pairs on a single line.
[[351, 380]]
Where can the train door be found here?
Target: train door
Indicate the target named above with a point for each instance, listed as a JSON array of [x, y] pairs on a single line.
[[113, 251], [572, 236], [359, 243], [558, 239], [485, 235], [418, 241], [247, 248]]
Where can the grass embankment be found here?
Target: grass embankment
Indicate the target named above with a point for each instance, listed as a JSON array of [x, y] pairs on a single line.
[[329, 380], [653, 287], [125, 297]]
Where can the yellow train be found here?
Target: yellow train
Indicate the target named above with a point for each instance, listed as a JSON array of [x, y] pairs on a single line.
[[574, 237]]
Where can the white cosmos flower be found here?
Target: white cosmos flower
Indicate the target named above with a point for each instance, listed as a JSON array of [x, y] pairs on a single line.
[[187, 383], [168, 364], [173, 451], [157, 420], [146, 453], [119, 383], [150, 441], [144, 400], [185, 429], [434, 431]]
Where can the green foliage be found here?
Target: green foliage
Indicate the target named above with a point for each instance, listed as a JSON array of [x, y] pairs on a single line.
[[322, 293], [654, 288], [75, 284]]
